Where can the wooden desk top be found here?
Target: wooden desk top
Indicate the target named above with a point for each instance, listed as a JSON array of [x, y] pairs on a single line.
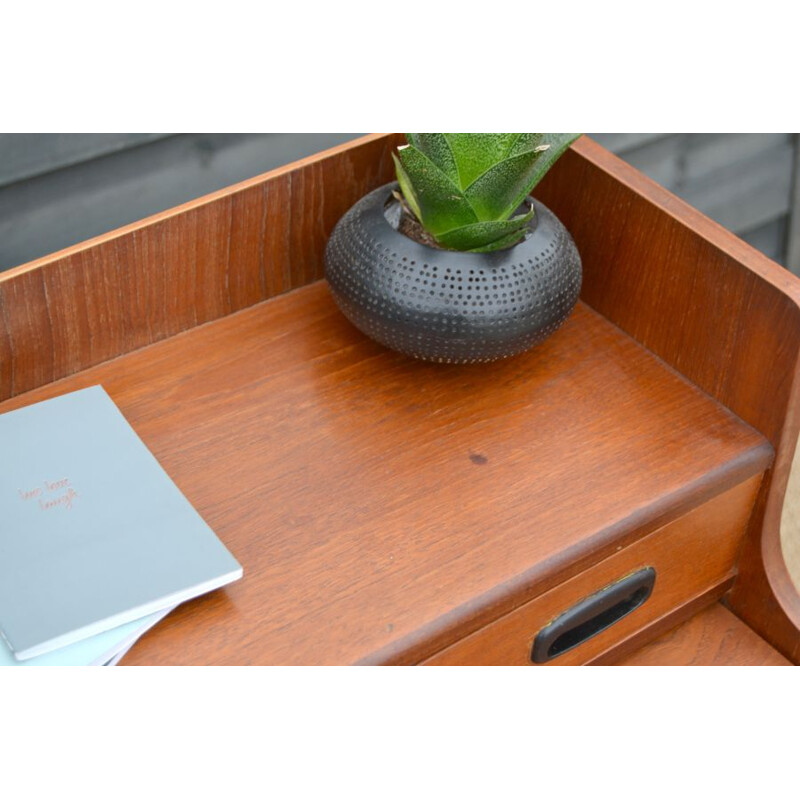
[[381, 507]]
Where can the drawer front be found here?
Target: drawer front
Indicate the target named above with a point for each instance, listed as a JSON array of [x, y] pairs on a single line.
[[689, 555]]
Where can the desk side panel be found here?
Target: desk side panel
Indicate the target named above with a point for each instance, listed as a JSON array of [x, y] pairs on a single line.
[[181, 268], [715, 309]]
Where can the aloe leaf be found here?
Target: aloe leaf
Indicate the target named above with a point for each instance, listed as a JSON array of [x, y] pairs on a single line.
[[525, 142], [437, 148], [440, 202], [499, 244], [558, 142], [480, 234], [476, 152], [406, 188], [498, 192]]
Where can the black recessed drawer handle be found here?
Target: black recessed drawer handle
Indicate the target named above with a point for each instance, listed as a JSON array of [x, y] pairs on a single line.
[[592, 615]]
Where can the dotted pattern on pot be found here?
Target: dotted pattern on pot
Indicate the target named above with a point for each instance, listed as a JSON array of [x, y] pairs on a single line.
[[446, 306]]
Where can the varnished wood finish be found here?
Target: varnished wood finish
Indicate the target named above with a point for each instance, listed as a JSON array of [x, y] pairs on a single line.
[[690, 556], [715, 638], [383, 508], [672, 619], [706, 303], [715, 309], [178, 269]]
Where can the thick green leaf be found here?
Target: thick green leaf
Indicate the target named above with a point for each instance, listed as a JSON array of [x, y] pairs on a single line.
[[437, 148], [525, 142], [498, 192], [558, 142], [441, 204], [477, 152], [480, 234], [454, 181], [499, 244], [406, 187]]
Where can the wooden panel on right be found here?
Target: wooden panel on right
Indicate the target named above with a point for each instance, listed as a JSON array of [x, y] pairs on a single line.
[[712, 638]]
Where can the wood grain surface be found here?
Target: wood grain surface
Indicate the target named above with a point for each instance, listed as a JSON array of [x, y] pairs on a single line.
[[715, 309], [383, 508], [675, 617], [714, 638], [181, 268], [710, 306], [690, 556]]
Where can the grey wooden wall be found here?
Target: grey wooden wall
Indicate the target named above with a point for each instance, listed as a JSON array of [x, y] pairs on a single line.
[[58, 189], [748, 182]]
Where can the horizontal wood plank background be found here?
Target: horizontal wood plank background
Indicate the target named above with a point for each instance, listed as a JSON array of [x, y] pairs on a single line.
[[745, 181], [59, 189]]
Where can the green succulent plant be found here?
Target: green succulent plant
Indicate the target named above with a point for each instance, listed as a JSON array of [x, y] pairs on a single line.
[[464, 188]]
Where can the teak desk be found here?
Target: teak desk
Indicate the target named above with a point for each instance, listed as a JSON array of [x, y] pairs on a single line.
[[389, 511]]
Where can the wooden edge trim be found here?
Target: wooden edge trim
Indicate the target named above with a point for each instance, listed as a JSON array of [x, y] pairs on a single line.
[[501, 600], [765, 596]]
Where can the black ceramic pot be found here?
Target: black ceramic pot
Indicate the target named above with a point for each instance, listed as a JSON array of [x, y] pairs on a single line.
[[448, 306]]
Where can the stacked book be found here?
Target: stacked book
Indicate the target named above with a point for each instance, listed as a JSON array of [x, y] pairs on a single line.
[[97, 544]]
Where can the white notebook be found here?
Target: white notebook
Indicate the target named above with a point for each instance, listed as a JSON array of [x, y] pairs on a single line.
[[93, 532], [105, 648]]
